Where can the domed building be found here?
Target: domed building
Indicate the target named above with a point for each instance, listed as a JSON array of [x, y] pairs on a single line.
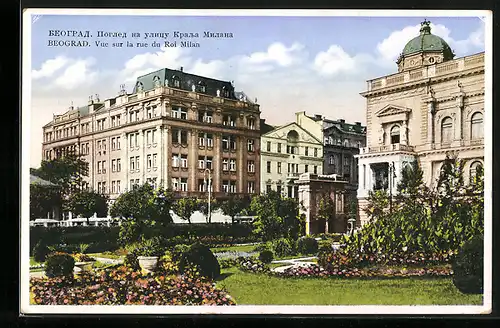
[[432, 106]]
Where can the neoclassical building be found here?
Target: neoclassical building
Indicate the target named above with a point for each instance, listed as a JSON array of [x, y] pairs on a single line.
[[433, 105], [286, 152], [173, 129]]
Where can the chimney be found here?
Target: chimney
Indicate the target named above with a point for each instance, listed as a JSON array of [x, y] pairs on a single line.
[[358, 123], [342, 120], [318, 116], [182, 69]]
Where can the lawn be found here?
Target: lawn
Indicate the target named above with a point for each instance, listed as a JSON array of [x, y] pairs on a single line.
[[260, 289]]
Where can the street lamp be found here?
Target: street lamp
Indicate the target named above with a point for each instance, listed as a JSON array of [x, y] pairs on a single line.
[[392, 175], [209, 191]]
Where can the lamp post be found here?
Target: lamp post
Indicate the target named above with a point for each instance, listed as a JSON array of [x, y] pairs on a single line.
[[209, 191]]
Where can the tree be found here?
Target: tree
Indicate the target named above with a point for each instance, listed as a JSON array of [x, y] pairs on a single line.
[[144, 204], [185, 207], [234, 205], [275, 216], [413, 196], [203, 208], [86, 203], [67, 172], [378, 202], [326, 209], [43, 199]]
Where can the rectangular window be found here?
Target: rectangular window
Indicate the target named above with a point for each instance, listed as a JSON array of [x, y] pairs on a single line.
[[175, 160], [118, 143], [184, 138], [154, 160], [268, 188], [251, 166], [306, 151], [251, 187], [113, 187], [306, 168], [131, 140], [269, 146], [202, 185], [209, 161], [225, 185], [210, 140], [149, 162], [137, 163], [279, 148], [175, 184], [225, 142], [148, 137], [184, 184], [232, 164], [268, 166], [251, 143], [225, 164], [315, 169], [98, 167], [278, 164], [136, 137], [118, 189], [113, 165], [228, 120], [118, 165], [201, 162], [184, 160], [315, 152], [251, 123], [201, 139], [132, 163]]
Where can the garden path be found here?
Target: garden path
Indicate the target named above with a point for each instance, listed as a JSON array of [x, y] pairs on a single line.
[[301, 261]]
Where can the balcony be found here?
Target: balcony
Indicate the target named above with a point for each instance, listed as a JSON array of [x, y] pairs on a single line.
[[292, 176], [386, 148]]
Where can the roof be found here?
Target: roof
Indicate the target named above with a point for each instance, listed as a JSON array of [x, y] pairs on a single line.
[[165, 76], [34, 180], [340, 124], [427, 42]]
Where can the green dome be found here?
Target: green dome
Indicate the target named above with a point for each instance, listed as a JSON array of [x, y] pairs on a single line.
[[427, 42]]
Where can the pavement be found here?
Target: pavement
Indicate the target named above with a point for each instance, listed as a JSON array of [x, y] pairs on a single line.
[[297, 262]]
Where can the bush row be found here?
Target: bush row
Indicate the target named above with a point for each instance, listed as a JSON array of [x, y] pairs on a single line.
[[284, 247]]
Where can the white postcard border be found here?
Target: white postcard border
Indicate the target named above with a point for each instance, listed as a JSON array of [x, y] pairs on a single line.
[[27, 308]]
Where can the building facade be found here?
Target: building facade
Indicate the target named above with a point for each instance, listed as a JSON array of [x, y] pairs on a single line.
[[341, 143], [434, 105], [312, 189], [286, 152], [174, 129]]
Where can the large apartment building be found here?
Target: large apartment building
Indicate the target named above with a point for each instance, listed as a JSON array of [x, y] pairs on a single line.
[[432, 106], [174, 129]]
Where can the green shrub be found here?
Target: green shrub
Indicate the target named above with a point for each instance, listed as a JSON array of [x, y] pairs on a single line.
[[59, 265], [283, 247], [201, 257], [266, 256], [263, 247], [307, 245], [131, 261], [130, 232], [178, 251], [40, 252], [468, 267], [150, 247]]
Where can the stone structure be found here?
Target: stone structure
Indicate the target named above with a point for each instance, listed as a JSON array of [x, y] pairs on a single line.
[[286, 152], [171, 129], [434, 105], [312, 188]]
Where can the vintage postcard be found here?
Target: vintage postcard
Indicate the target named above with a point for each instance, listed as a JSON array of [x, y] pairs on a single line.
[[256, 162]]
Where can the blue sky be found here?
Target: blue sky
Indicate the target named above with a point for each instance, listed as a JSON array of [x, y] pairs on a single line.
[[290, 64]]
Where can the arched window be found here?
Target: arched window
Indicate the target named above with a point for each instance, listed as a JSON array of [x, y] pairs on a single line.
[[395, 136], [477, 126], [139, 87], [156, 81], [176, 81], [292, 138], [476, 168], [202, 87], [446, 130]]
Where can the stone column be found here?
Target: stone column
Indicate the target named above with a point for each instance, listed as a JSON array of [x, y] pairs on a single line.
[[159, 151], [142, 159], [430, 122], [459, 128], [404, 132], [166, 156]]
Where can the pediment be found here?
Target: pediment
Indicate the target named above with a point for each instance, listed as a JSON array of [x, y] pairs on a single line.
[[393, 110], [282, 133]]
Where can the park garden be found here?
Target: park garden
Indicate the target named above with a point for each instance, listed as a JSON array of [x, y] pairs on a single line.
[[425, 249]]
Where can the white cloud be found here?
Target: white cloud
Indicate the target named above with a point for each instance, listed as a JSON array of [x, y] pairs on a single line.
[[77, 74], [49, 67], [390, 48], [279, 54]]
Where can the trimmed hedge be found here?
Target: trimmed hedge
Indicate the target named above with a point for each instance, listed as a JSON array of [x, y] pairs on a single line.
[[59, 265], [468, 267]]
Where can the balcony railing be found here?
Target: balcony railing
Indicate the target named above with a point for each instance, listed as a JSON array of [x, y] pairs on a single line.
[[386, 148], [443, 68]]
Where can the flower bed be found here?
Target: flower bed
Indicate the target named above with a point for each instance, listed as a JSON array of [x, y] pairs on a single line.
[[122, 286], [254, 266], [374, 272]]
